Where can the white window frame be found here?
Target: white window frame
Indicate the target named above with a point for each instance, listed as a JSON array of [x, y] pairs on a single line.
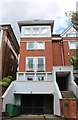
[[70, 46], [42, 29], [31, 34], [35, 45], [37, 48], [30, 48], [35, 63]]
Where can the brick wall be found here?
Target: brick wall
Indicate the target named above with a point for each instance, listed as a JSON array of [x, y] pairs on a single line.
[[47, 53]]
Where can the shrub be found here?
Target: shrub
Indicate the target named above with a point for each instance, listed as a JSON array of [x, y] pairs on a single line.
[[4, 84], [10, 77], [6, 79]]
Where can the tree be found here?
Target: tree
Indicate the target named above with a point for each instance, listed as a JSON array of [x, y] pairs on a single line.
[[73, 16]]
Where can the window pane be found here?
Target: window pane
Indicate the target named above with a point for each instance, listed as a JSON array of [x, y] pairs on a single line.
[[30, 64], [28, 31], [35, 31], [40, 45], [44, 30], [30, 45], [72, 45], [40, 64]]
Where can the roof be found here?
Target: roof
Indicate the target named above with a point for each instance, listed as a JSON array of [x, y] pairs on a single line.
[[36, 22]]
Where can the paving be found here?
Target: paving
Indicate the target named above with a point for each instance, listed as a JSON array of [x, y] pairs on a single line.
[[35, 117]]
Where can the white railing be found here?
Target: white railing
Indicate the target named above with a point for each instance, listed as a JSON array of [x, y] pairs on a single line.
[[34, 76]]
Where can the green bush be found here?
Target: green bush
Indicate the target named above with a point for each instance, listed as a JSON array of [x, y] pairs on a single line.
[[10, 77], [6, 81], [4, 84]]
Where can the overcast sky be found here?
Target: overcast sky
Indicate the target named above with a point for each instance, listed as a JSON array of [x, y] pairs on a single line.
[[16, 10]]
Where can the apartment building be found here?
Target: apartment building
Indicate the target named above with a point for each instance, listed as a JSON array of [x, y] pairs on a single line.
[[44, 70], [9, 50]]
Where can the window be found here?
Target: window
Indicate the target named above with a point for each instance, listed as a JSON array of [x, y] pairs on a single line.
[[30, 45], [40, 64], [28, 31], [29, 65], [44, 31], [72, 45], [35, 31], [40, 45], [36, 45], [35, 63]]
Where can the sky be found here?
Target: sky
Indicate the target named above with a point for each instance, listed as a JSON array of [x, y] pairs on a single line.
[[12, 11]]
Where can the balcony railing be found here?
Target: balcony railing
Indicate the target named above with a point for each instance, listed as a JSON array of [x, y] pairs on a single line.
[[34, 76], [35, 67]]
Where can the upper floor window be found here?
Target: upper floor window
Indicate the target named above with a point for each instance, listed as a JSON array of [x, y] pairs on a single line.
[[36, 45], [36, 31], [44, 31], [28, 31], [73, 45], [35, 63]]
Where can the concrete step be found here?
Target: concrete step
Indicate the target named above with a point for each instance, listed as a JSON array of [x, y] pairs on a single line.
[[68, 94], [35, 117]]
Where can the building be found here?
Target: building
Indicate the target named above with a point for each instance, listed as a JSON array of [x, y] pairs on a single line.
[[9, 50], [44, 72]]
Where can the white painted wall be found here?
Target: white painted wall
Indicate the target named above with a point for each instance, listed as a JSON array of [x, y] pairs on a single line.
[[34, 87], [1, 33], [8, 96]]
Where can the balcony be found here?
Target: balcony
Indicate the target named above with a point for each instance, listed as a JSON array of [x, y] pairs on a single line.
[[35, 67], [34, 76]]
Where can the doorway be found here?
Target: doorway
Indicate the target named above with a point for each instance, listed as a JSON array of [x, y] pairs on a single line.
[[62, 80], [37, 104]]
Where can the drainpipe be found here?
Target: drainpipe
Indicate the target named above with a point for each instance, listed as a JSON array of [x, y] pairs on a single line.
[[62, 52]]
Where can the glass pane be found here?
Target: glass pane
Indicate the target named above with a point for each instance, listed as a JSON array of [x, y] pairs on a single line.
[[36, 31], [40, 45], [44, 30], [30, 45], [73, 45], [30, 63], [27, 31], [40, 64], [40, 60]]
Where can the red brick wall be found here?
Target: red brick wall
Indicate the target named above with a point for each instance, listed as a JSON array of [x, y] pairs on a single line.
[[47, 53], [67, 50], [57, 53], [68, 108]]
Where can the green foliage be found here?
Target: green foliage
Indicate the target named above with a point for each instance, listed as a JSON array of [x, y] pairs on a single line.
[[74, 61], [4, 84], [6, 81], [73, 16]]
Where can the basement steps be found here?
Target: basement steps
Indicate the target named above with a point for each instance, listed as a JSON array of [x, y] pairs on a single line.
[[35, 117], [68, 95]]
